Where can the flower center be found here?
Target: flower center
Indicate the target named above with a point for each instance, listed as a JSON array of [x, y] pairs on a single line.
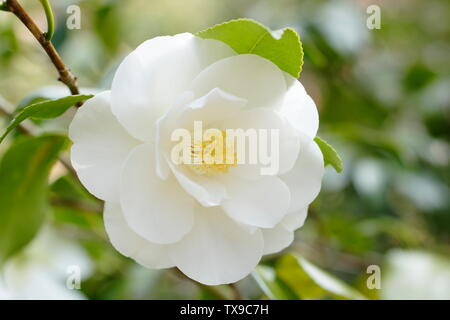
[[212, 156]]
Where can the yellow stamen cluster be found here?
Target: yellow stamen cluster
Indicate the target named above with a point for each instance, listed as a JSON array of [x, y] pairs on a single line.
[[209, 157]]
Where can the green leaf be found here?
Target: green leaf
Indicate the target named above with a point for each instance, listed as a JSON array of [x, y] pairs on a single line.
[[282, 47], [310, 282], [269, 283], [23, 190], [44, 110], [330, 156]]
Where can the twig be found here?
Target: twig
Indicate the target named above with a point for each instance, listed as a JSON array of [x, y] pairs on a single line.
[[76, 205], [65, 76], [7, 110], [66, 163]]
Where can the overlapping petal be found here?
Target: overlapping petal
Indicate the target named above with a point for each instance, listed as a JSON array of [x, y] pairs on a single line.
[[157, 210], [100, 147], [212, 108], [261, 203], [217, 250], [152, 77], [246, 76], [287, 142], [206, 190], [282, 235], [130, 244], [294, 220], [276, 239], [299, 109], [305, 178]]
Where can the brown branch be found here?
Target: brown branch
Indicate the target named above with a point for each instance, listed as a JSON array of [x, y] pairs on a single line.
[[7, 110], [76, 205], [66, 164], [65, 76], [21, 127]]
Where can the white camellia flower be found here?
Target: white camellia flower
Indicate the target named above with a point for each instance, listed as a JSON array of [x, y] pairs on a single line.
[[212, 222]]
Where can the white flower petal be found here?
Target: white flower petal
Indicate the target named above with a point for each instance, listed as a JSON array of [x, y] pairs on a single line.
[[294, 220], [212, 107], [299, 109], [158, 210], [151, 78], [305, 179], [130, 244], [164, 129], [246, 76], [269, 120], [282, 235], [217, 250], [208, 191], [261, 203], [100, 147], [276, 239]]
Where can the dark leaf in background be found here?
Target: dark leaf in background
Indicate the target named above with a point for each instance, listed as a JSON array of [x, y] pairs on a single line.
[[24, 171]]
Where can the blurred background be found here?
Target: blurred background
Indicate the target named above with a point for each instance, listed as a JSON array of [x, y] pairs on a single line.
[[383, 97]]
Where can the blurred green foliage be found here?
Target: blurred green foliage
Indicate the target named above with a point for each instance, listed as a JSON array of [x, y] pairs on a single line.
[[383, 97]]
